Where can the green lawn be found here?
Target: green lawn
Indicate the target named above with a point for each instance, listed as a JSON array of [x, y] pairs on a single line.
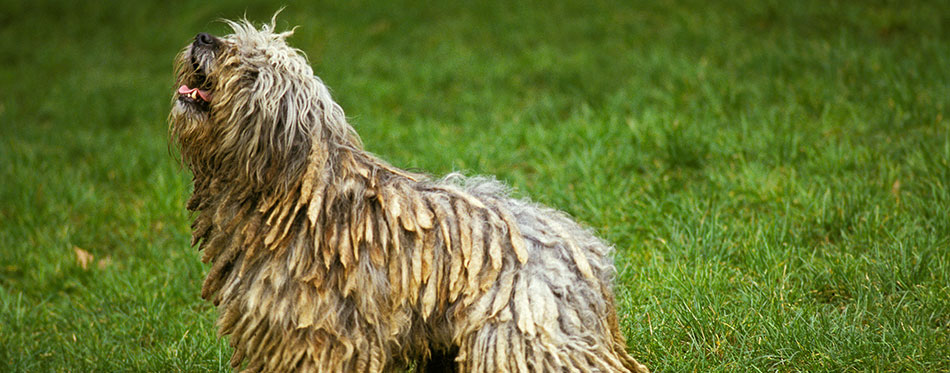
[[775, 175]]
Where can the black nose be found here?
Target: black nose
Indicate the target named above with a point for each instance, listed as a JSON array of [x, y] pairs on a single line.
[[204, 39]]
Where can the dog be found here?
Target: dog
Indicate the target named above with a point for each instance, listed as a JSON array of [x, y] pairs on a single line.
[[326, 258]]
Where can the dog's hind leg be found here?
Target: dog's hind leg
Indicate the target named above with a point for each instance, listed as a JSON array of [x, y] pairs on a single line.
[[535, 342]]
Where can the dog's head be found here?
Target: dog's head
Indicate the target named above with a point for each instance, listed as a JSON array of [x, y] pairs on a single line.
[[248, 105]]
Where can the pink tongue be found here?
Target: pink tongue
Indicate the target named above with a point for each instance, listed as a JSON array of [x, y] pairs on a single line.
[[185, 90]]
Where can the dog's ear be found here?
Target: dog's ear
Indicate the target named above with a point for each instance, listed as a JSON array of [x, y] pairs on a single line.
[[267, 121]]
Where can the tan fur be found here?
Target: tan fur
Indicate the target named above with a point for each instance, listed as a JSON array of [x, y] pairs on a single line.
[[325, 258]]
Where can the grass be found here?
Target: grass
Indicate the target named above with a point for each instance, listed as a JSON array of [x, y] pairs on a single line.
[[775, 175]]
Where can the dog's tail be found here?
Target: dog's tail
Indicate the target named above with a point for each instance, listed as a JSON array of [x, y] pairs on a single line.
[[620, 347]]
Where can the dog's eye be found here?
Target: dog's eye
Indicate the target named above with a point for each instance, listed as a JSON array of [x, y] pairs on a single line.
[[252, 75]]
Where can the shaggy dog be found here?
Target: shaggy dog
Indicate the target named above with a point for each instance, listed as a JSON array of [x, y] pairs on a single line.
[[326, 258]]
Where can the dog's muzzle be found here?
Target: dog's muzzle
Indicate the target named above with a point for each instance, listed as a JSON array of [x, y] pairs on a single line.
[[196, 91]]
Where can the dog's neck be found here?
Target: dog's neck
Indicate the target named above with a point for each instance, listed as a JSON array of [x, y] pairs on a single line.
[[238, 220], [336, 165], [335, 158]]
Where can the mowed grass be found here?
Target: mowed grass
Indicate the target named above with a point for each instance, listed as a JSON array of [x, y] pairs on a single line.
[[775, 176]]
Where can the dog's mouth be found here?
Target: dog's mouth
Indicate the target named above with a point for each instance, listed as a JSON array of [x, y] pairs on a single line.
[[196, 87], [194, 95]]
